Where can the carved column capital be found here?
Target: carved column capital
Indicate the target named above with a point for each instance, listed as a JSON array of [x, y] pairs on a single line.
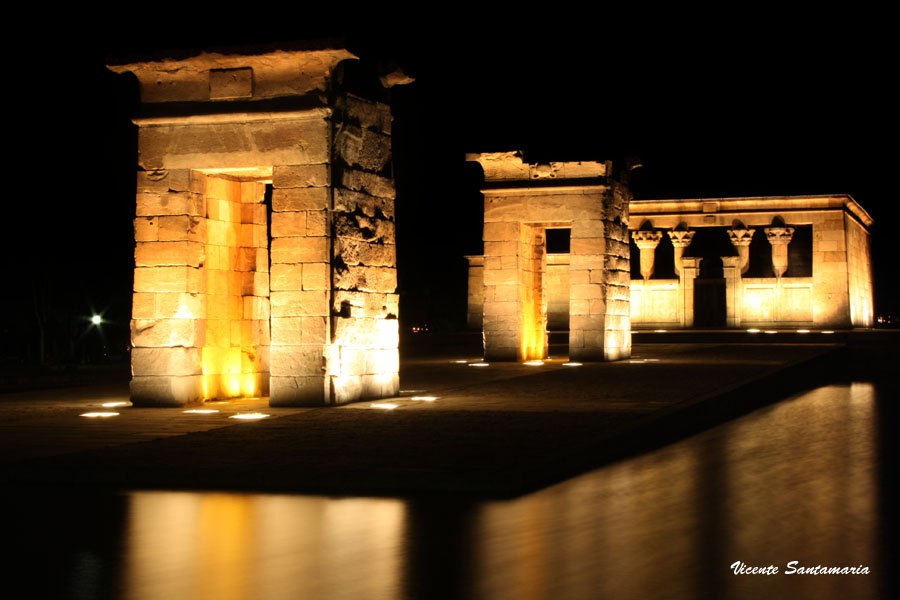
[[740, 237], [779, 235], [681, 238], [646, 239]]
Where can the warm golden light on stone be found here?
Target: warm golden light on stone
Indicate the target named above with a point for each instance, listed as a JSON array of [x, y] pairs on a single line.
[[265, 260], [837, 291], [523, 201]]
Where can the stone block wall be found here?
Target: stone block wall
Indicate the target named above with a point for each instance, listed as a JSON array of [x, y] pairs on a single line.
[[362, 359], [169, 314], [236, 352], [599, 277], [831, 301], [517, 291], [239, 292], [475, 297], [300, 284], [859, 267], [501, 290], [200, 326], [556, 292], [655, 303]]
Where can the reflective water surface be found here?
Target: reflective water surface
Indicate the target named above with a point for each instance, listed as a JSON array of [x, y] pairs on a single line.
[[802, 480]]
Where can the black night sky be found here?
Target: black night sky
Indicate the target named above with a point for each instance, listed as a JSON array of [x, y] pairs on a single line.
[[748, 108]]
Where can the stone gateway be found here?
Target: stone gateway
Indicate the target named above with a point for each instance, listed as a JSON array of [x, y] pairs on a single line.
[[265, 261]]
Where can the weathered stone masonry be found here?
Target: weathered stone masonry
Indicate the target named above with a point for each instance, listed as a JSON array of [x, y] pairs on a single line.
[[240, 291], [522, 201], [835, 293]]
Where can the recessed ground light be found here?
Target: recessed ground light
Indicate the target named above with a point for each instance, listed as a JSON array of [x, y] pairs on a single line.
[[659, 331], [424, 398], [803, 331], [114, 404], [202, 411], [94, 415], [534, 363], [460, 362], [828, 331], [411, 391], [753, 331], [770, 331], [572, 364], [479, 364], [249, 416], [385, 405]]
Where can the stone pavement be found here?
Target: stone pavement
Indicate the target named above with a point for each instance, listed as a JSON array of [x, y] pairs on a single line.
[[496, 430]]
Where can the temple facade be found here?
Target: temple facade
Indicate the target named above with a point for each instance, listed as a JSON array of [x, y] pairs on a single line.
[[265, 258], [773, 262], [517, 281]]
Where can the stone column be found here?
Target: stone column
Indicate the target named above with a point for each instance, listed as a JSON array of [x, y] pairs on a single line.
[[681, 239], [731, 267], [740, 239], [532, 304], [779, 238], [362, 359], [168, 325], [599, 282], [475, 303], [647, 241], [300, 282], [501, 291], [690, 268]]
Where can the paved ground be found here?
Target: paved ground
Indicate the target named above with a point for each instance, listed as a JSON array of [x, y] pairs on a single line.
[[496, 430]]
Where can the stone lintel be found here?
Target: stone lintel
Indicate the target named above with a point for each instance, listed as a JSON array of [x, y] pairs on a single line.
[[593, 186], [510, 166], [221, 76], [319, 112]]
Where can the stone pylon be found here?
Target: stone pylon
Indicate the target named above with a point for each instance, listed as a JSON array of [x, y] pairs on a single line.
[[265, 259]]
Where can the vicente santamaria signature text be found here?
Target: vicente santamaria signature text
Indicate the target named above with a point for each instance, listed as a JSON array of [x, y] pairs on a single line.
[[795, 568]]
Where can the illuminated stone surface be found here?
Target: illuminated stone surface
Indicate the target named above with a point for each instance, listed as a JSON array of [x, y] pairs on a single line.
[[837, 292], [265, 261], [521, 202]]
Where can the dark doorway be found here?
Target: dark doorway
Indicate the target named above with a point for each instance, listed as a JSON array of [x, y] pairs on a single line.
[[709, 303]]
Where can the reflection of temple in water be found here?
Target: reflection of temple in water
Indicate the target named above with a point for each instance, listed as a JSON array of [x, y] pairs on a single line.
[[799, 261]]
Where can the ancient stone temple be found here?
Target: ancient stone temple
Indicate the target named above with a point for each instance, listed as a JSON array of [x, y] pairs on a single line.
[[773, 262], [265, 257], [800, 261], [522, 203]]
